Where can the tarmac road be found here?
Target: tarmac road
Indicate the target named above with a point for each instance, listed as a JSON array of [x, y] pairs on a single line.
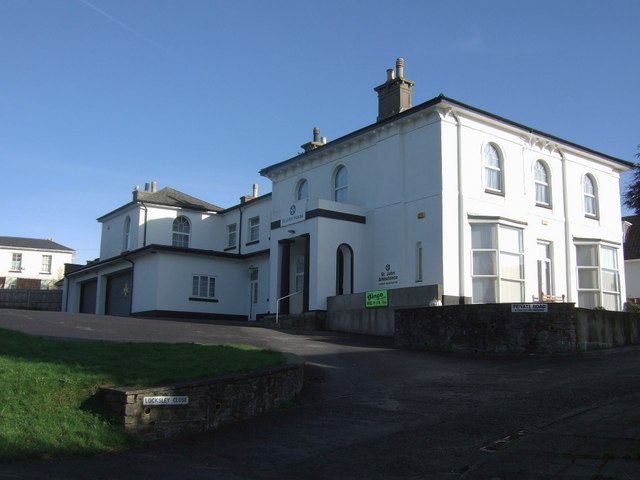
[[368, 410]]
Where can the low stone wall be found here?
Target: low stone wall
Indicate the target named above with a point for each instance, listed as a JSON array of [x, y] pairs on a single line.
[[193, 407], [495, 328], [26, 299], [297, 321], [347, 313]]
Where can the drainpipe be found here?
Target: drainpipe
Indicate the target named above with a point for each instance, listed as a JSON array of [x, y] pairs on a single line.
[[144, 235], [240, 232], [461, 211], [567, 230]]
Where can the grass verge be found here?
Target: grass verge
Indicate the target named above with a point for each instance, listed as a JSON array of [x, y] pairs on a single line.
[[44, 384]]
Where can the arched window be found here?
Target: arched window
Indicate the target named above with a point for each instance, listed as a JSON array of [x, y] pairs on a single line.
[[541, 176], [590, 196], [181, 232], [493, 169], [340, 184], [302, 190], [126, 240]]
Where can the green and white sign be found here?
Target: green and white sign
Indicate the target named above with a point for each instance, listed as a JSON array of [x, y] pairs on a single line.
[[376, 298]]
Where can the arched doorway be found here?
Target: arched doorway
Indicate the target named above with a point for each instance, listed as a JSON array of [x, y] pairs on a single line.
[[344, 270]]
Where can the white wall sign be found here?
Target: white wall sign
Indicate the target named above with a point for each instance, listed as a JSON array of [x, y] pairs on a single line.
[[294, 214], [529, 307], [388, 276], [166, 401]]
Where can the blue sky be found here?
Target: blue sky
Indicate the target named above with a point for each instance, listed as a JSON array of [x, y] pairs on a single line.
[[99, 96]]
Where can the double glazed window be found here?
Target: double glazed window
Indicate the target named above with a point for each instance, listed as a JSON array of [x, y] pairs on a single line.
[[254, 229], [340, 185], [543, 192], [181, 232], [302, 190], [493, 169], [231, 235], [46, 264], [590, 196], [204, 286], [498, 263], [16, 262], [598, 276]]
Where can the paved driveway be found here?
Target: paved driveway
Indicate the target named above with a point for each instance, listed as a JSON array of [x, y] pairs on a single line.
[[368, 410]]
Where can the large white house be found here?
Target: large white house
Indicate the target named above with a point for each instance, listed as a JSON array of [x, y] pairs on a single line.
[[442, 193], [35, 263]]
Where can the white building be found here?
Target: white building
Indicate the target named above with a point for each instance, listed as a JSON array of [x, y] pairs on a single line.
[[442, 193], [445, 193], [32, 262], [166, 253]]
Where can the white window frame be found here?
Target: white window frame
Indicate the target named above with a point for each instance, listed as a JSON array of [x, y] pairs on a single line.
[[232, 235], [542, 184], [203, 287], [545, 265], [302, 190], [500, 254], [181, 235], [590, 196], [126, 240], [489, 170], [47, 261], [340, 184], [598, 292], [254, 229], [16, 262]]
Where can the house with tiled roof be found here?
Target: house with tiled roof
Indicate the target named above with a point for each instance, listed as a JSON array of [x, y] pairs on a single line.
[[34, 263], [632, 257], [166, 253]]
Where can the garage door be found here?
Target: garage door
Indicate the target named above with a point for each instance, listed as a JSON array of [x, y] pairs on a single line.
[[88, 292], [119, 288]]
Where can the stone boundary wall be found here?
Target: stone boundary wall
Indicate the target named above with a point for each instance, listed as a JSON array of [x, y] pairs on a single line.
[[211, 403], [493, 328], [347, 313], [25, 299]]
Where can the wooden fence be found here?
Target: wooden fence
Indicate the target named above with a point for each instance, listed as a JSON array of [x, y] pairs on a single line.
[[26, 299]]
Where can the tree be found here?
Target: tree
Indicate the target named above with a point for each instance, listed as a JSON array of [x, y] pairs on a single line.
[[632, 195]]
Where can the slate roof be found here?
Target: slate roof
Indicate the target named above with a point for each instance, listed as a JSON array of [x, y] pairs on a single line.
[[167, 197], [632, 239], [32, 244], [173, 198]]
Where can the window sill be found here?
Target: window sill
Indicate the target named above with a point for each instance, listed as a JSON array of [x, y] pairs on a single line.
[[494, 192], [45, 273], [544, 205], [200, 299], [255, 242], [591, 217], [230, 248]]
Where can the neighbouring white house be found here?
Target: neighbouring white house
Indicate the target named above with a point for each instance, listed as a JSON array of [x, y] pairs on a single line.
[[33, 263], [632, 257], [441, 193], [166, 253]]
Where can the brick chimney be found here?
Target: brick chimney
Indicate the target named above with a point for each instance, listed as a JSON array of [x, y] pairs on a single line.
[[394, 95]]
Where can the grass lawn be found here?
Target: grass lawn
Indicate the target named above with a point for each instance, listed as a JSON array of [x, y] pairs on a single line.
[[45, 385]]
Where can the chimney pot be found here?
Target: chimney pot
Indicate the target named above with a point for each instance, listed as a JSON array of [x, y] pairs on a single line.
[[390, 74], [154, 186], [323, 140], [316, 134], [400, 67], [146, 186], [255, 190]]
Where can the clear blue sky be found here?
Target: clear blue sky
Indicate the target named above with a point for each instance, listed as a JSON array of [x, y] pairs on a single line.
[[98, 96]]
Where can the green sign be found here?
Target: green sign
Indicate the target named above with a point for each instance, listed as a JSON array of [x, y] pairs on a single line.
[[376, 298]]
